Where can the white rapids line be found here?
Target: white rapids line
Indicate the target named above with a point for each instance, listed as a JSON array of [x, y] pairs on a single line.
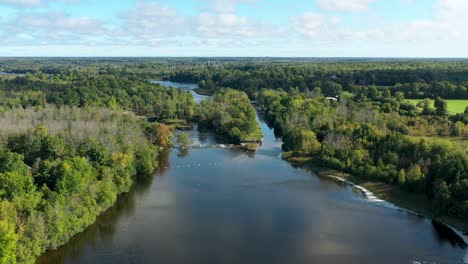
[[370, 196], [211, 146]]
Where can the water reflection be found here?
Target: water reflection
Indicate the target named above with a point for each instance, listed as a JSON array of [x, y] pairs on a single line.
[[163, 162], [445, 234], [183, 86], [183, 152], [230, 206], [105, 226], [102, 231]]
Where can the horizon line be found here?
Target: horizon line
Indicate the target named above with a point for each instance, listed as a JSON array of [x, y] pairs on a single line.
[[247, 57]]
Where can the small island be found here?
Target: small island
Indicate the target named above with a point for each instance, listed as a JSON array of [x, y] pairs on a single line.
[[230, 114]]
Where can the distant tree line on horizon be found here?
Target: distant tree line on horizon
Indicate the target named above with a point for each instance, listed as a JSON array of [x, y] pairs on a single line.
[[73, 132], [414, 82]]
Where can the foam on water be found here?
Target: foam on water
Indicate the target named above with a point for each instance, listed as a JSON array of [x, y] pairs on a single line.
[[370, 196], [211, 146]]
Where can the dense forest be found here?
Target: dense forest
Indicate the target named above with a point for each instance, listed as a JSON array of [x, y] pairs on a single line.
[[84, 89], [60, 168], [74, 133], [230, 114], [354, 117], [70, 144], [359, 138], [414, 79]]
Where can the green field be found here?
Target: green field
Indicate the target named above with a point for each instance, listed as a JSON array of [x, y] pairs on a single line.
[[453, 106]]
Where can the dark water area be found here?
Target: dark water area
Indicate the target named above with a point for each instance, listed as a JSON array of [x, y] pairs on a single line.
[[224, 205]]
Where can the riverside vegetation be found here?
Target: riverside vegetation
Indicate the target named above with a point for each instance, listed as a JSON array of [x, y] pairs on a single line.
[[69, 147], [73, 141], [230, 114], [356, 120], [60, 168], [73, 132]]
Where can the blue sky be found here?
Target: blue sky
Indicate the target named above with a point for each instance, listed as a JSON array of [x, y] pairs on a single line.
[[299, 28]]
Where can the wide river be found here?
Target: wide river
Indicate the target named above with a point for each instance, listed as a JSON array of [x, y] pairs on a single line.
[[213, 204]]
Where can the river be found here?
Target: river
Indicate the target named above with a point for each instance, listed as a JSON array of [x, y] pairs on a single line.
[[214, 204], [7, 74]]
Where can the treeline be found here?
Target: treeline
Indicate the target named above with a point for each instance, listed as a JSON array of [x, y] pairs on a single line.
[[230, 114], [101, 90], [356, 136], [421, 90], [63, 164], [71, 141], [426, 118], [414, 79], [56, 177]]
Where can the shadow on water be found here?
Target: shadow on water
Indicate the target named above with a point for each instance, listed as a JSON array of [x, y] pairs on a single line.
[[252, 211], [446, 234], [442, 232], [163, 162], [102, 230], [105, 226]]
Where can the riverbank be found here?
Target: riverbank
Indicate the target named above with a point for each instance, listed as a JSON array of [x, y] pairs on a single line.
[[179, 124], [416, 203], [203, 182], [203, 91], [254, 140]]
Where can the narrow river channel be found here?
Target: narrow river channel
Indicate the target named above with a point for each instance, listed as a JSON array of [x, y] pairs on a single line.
[[214, 204]]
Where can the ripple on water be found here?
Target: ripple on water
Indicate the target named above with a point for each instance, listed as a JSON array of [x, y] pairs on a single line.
[[216, 219]]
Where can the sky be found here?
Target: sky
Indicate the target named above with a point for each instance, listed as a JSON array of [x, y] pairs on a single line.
[[245, 28]]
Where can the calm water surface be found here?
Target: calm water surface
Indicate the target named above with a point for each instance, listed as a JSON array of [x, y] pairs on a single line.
[[11, 74], [220, 205], [184, 86]]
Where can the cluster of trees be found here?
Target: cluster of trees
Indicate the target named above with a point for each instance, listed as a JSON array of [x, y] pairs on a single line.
[[356, 136], [230, 114], [63, 164], [83, 89], [426, 118], [367, 128], [55, 182], [443, 89], [71, 142], [416, 79]]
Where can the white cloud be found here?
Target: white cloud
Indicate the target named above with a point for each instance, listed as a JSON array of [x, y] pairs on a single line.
[[449, 23], [230, 25], [344, 5], [22, 3], [452, 11], [229, 6], [150, 21], [58, 21], [316, 26], [309, 24], [51, 27], [31, 3], [153, 25]]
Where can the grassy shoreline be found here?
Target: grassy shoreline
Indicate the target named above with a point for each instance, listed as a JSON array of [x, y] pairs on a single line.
[[416, 203], [203, 91]]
